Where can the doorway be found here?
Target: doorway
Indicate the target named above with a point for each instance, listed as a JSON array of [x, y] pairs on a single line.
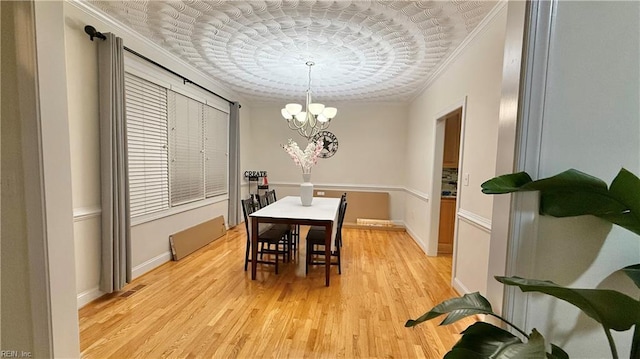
[[454, 164], [449, 180]]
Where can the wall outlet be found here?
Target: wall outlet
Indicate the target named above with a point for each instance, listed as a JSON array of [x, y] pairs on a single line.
[[465, 179], [320, 193]]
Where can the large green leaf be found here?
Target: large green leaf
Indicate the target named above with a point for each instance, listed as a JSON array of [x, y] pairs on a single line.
[[626, 189], [574, 193], [484, 340], [456, 308], [633, 272], [612, 309], [506, 183]]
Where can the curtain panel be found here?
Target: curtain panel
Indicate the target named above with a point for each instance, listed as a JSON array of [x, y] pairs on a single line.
[[116, 228], [234, 164]]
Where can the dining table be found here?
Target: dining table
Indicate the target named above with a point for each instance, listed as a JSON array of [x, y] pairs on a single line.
[[323, 211]]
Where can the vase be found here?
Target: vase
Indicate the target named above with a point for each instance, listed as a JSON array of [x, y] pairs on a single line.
[[306, 190]]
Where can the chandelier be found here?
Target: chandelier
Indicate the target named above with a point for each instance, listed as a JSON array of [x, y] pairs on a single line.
[[313, 119]]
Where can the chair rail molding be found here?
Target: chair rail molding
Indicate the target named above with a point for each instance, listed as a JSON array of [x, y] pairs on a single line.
[[364, 187], [84, 213], [474, 219], [417, 194]]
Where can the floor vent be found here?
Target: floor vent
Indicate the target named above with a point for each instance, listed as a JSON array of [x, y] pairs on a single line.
[[132, 291]]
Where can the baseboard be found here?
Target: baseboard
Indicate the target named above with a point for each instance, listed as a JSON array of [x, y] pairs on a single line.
[[416, 239], [151, 264], [459, 287], [87, 296], [396, 227]]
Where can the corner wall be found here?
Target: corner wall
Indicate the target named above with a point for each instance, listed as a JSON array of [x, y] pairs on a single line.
[[475, 74]]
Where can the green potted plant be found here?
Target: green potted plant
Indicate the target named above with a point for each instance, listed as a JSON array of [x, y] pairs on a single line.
[[570, 193]]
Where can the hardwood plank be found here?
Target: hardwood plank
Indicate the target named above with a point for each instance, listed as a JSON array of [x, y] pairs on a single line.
[[206, 305]]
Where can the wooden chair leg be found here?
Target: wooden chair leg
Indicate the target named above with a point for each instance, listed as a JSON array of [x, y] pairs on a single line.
[[246, 256], [307, 260]]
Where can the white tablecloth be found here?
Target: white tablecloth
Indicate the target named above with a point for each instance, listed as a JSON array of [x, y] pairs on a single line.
[[290, 207]]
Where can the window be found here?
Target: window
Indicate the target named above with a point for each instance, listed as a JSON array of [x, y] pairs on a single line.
[[186, 149], [146, 112], [216, 129], [177, 148]]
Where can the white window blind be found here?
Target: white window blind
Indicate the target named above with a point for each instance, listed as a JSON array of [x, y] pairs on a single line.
[[146, 112], [216, 149], [186, 149]]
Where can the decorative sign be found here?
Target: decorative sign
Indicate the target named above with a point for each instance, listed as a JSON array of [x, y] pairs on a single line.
[[255, 174], [330, 143]]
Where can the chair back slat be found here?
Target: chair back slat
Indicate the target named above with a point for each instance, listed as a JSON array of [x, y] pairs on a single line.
[[271, 196], [262, 200], [248, 206]]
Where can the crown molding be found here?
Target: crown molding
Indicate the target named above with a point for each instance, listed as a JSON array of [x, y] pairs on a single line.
[[482, 26], [91, 10]]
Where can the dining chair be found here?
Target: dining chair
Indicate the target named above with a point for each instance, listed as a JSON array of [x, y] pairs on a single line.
[[268, 236], [316, 241], [271, 196], [343, 199], [262, 200]]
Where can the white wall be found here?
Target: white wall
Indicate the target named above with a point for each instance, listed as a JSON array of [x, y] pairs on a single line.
[[369, 157], [476, 74], [150, 240], [592, 123]]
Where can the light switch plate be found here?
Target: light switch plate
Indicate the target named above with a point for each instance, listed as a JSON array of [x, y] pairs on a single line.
[[466, 179], [320, 193]]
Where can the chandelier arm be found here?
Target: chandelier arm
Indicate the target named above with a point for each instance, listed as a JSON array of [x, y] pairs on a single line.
[[294, 126], [304, 134]]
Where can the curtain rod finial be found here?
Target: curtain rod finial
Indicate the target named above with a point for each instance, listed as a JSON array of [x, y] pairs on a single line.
[[92, 32]]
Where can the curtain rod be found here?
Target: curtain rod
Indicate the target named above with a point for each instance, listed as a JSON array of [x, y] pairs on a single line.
[[92, 32]]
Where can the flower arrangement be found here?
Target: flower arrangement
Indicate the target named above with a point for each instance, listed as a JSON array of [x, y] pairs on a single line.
[[307, 158]]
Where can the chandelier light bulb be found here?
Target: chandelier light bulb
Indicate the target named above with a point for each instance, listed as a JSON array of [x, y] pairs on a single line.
[[322, 118], [316, 108], [286, 114], [301, 116], [330, 112], [293, 108]]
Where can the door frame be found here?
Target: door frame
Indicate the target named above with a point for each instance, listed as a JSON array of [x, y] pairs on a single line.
[[522, 103], [436, 182]]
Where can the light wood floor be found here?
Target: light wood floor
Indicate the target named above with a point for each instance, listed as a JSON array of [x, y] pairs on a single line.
[[206, 305]]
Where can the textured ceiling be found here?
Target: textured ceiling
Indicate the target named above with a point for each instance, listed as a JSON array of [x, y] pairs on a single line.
[[363, 50]]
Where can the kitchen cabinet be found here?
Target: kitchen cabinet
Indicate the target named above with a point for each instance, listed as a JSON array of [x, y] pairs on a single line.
[[452, 140], [447, 225]]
